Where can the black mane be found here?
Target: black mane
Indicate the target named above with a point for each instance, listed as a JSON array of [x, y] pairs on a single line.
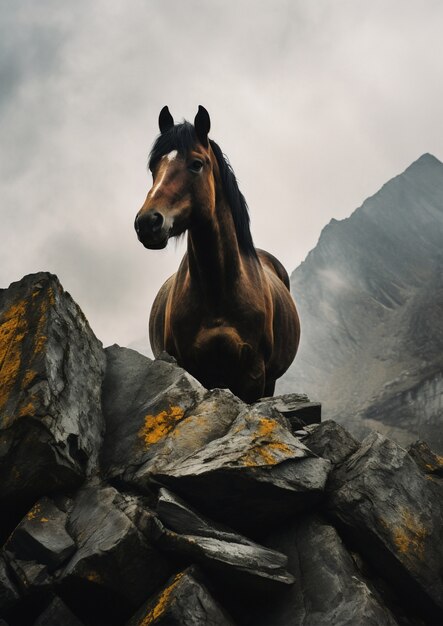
[[182, 137]]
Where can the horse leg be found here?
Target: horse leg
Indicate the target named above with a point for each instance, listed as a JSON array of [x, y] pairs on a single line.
[[269, 389]]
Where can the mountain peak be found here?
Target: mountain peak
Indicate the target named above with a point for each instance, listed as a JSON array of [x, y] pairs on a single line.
[[426, 159]]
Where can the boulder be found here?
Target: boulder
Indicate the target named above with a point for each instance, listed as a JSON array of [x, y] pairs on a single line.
[[42, 537], [330, 590], [51, 370], [236, 559], [184, 600], [330, 441], [115, 566], [155, 413], [254, 475], [386, 505], [38, 546]]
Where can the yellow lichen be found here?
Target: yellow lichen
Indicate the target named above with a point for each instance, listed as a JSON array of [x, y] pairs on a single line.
[[28, 378], [12, 331], [267, 450], [266, 427], [161, 603], [408, 535], [34, 512], [266, 453], [14, 327], [44, 519], [27, 409], [156, 427]]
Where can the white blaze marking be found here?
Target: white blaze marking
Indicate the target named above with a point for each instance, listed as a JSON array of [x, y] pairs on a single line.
[[170, 157]]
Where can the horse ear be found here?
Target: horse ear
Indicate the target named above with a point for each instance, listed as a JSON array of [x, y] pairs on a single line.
[[165, 120], [202, 125]]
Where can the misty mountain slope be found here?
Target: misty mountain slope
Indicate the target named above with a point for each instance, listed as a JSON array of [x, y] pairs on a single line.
[[370, 298]]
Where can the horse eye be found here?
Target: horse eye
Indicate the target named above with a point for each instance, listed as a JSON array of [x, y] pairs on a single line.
[[196, 165]]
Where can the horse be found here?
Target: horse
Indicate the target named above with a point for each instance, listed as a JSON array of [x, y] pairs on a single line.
[[227, 315]]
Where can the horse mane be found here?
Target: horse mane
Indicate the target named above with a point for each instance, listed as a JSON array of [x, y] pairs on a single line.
[[182, 137]]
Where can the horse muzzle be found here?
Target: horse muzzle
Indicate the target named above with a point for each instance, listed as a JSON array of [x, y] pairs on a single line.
[[152, 230]]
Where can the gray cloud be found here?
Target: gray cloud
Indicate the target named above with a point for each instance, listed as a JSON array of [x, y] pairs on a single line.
[[316, 105]]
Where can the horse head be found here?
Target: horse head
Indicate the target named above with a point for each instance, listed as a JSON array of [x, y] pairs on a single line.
[[183, 190]]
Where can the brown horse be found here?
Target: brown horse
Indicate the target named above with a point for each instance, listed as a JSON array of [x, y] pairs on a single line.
[[227, 315]]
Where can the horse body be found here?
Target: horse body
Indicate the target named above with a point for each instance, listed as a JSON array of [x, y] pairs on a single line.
[[227, 315]]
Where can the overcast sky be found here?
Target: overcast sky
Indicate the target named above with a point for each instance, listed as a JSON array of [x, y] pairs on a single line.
[[317, 103]]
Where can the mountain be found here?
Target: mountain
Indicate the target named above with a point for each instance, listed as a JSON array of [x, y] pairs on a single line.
[[370, 298]]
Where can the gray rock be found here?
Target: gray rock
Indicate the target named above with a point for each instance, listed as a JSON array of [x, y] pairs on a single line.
[[331, 441], [384, 502], [254, 474], [114, 558], [153, 415], [237, 559], [8, 591], [57, 614], [297, 408], [38, 547], [330, 591], [426, 459], [208, 420], [184, 600], [32, 577], [50, 391], [42, 537]]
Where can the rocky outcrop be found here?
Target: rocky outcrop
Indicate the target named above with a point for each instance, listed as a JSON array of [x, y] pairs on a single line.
[[143, 498], [370, 299], [51, 372]]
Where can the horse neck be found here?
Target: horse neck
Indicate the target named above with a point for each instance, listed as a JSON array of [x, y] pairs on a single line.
[[214, 255]]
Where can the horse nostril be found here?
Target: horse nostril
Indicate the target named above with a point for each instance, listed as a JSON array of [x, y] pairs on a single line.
[[156, 221]]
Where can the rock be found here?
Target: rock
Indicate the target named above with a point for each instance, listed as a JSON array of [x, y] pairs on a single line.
[[8, 591], [386, 505], [38, 547], [57, 614], [89, 542], [238, 560], [42, 537], [115, 566], [184, 600], [297, 408], [51, 369], [145, 403], [331, 441], [255, 474], [330, 590], [427, 460]]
